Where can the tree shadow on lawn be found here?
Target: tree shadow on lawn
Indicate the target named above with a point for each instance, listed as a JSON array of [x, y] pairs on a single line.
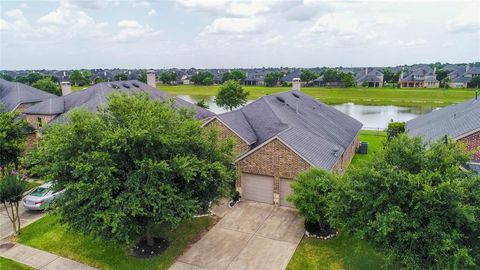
[[49, 235]]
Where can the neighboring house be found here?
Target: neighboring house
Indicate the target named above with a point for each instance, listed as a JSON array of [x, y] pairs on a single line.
[[420, 77], [460, 77], [16, 96], [320, 82], [281, 135], [369, 77], [290, 76], [51, 109], [460, 122], [256, 77]]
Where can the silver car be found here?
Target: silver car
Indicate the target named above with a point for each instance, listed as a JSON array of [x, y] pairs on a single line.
[[40, 197]]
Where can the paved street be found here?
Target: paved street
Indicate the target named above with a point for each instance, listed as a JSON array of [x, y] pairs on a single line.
[[251, 236]]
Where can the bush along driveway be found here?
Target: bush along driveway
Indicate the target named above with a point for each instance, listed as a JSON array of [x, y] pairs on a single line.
[[251, 236]]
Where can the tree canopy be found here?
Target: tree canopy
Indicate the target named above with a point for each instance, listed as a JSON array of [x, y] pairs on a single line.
[[347, 79], [81, 78], [46, 84], [308, 75], [231, 95], [142, 76], [272, 78], [12, 137], [202, 78], [120, 77], [168, 77], [235, 75], [331, 75], [135, 163], [415, 203]]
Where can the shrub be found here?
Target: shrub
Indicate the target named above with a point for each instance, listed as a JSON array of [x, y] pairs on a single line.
[[394, 129]]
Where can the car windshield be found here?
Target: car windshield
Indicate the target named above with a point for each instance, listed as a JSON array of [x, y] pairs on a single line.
[[39, 192]]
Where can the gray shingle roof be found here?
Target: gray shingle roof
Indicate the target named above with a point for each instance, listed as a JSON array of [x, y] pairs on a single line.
[[316, 132], [97, 94], [13, 94], [474, 167], [453, 121]]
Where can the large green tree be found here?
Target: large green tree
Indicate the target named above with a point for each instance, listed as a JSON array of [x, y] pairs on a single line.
[[474, 82], [142, 76], [12, 187], [308, 75], [272, 78], [13, 133], [134, 164], [236, 75], [202, 78], [33, 77], [231, 95], [167, 77], [331, 75], [46, 84], [81, 78], [7, 77], [347, 79], [416, 204]]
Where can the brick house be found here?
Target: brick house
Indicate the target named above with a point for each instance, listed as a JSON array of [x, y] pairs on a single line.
[[52, 109], [421, 77], [460, 122], [282, 134], [16, 96]]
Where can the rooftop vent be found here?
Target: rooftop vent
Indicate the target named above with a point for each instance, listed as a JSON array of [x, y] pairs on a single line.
[[335, 151], [115, 86], [136, 85], [125, 85], [296, 95], [280, 99]]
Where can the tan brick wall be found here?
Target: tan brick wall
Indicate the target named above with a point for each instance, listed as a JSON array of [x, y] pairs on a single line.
[[273, 159], [347, 156], [240, 145], [472, 142], [33, 121]]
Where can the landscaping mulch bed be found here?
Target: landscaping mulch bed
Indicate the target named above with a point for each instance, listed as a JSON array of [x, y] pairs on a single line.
[[142, 250]]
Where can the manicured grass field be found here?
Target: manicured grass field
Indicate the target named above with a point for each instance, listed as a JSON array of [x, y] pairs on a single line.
[[47, 234], [7, 264], [420, 97], [375, 141], [343, 252]]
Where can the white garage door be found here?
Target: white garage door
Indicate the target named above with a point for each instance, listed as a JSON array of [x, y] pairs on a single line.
[[257, 188], [285, 191]]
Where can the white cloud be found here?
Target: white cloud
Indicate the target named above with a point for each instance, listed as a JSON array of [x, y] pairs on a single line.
[[140, 3], [233, 26], [15, 14], [412, 43], [468, 20], [132, 31], [87, 4], [248, 8], [212, 6], [152, 12], [341, 28]]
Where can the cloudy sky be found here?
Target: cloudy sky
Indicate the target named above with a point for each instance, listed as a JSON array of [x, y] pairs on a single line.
[[227, 33]]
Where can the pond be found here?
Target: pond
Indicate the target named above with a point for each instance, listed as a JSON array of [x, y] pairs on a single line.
[[372, 117]]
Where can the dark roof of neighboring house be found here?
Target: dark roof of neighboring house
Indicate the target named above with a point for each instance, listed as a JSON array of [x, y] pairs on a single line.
[[290, 76], [97, 94], [13, 94], [317, 132], [454, 121], [462, 79], [473, 70]]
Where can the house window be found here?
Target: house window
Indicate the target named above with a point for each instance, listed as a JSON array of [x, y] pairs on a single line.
[[39, 122]]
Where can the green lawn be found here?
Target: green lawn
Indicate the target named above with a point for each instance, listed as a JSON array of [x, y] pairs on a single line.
[[47, 234], [375, 141], [339, 253], [419, 97], [7, 264]]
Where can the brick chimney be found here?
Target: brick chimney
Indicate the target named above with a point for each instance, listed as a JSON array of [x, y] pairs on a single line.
[[366, 71], [151, 80], [66, 88], [296, 84]]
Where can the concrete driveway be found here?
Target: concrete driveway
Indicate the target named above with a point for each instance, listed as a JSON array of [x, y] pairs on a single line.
[[251, 236], [26, 217]]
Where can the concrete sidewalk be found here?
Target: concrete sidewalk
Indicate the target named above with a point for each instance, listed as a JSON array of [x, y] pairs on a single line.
[[39, 259]]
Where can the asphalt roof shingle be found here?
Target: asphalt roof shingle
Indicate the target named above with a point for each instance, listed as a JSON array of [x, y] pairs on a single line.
[[453, 121], [97, 95], [13, 94], [318, 132]]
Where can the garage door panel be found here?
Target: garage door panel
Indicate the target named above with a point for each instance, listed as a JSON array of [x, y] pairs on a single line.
[[285, 191], [257, 188]]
